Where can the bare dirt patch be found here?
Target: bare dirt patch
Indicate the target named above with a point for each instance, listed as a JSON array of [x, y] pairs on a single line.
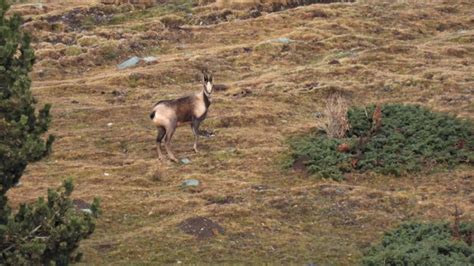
[[201, 227]]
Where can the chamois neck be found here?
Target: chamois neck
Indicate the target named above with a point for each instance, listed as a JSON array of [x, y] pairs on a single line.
[[206, 98], [203, 92]]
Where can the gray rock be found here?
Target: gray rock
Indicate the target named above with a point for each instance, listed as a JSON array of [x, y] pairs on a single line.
[[132, 61], [282, 40], [191, 183], [185, 161]]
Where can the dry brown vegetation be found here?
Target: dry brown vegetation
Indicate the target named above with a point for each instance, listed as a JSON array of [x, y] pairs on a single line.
[[337, 122], [409, 51]]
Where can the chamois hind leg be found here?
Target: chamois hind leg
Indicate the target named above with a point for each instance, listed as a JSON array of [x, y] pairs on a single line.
[[169, 134], [159, 138], [195, 127]]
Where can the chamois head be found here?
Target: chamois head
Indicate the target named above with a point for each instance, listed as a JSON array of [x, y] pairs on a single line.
[[207, 83]]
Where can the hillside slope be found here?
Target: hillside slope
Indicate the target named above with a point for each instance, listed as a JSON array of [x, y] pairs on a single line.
[[371, 51]]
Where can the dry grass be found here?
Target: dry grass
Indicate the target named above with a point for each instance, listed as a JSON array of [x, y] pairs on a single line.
[[377, 52], [337, 122], [275, 4]]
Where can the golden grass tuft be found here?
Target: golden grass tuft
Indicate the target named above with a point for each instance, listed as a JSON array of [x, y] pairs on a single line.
[[335, 113]]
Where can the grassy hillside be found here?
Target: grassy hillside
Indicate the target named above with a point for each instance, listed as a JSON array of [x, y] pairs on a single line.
[[371, 51]]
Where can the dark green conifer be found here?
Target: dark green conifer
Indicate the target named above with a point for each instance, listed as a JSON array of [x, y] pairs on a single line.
[[408, 139], [47, 230]]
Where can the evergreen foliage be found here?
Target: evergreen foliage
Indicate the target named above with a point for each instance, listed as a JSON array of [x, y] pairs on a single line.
[[423, 244], [405, 139], [47, 230], [44, 231]]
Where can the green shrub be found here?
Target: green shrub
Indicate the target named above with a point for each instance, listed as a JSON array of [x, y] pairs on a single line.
[[321, 156], [409, 139], [45, 231], [423, 244]]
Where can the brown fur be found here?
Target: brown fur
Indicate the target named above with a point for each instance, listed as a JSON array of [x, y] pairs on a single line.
[[168, 114]]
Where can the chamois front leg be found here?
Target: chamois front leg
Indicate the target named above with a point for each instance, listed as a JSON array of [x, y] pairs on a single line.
[[195, 127]]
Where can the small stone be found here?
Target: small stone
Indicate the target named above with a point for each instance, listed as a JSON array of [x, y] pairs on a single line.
[[110, 124], [149, 59], [191, 183], [89, 211], [282, 40], [81, 205], [318, 114], [185, 161], [106, 174], [260, 187]]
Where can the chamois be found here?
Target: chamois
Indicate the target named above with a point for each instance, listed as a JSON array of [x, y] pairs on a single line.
[[168, 114]]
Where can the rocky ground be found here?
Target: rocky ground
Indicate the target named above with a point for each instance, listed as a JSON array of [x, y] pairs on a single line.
[[275, 66]]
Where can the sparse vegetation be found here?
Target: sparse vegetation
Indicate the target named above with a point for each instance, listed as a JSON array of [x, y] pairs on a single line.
[[277, 64], [108, 51], [172, 21], [423, 244], [180, 7], [73, 51], [88, 41], [393, 139]]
